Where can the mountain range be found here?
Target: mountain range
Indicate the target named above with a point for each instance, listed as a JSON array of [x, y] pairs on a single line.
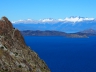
[[69, 25], [82, 34], [89, 31]]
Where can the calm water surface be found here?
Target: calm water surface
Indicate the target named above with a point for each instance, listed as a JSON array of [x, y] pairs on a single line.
[[65, 54]]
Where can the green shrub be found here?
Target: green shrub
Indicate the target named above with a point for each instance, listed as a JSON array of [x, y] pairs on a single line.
[[16, 53], [6, 69], [5, 46], [20, 66], [2, 47]]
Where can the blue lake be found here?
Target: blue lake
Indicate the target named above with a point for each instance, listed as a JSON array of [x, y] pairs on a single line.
[[65, 54]]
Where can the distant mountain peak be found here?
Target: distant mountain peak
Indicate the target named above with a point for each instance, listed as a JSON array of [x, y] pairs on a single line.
[[92, 31], [78, 19], [48, 20]]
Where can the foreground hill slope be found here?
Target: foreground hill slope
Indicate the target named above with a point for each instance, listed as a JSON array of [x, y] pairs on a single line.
[[15, 56]]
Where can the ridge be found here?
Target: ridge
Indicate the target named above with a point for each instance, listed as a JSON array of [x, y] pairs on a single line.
[[15, 56], [51, 20]]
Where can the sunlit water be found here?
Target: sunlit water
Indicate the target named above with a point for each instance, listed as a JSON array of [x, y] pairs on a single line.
[[65, 54]]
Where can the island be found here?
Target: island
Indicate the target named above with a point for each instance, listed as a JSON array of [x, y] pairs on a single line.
[[56, 33]]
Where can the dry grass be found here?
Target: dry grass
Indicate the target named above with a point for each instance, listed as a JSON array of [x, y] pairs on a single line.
[[1, 52]]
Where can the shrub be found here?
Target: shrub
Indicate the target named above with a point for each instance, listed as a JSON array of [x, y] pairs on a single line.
[[5, 46], [20, 66], [16, 53], [2, 47], [6, 69]]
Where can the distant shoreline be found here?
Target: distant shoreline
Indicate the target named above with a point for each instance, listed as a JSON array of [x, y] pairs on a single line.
[[56, 33]]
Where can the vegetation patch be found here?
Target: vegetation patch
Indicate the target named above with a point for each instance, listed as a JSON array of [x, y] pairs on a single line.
[[20, 66], [2, 47], [16, 54]]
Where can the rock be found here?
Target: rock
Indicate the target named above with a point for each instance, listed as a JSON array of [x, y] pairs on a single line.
[[15, 56]]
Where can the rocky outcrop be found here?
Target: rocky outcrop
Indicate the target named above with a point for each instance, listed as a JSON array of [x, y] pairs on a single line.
[[15, 56]]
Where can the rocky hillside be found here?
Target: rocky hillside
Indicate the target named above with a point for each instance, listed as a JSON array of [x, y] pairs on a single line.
[[15, 56]]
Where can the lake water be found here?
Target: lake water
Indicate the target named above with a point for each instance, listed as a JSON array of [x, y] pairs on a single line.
[[65, 54]]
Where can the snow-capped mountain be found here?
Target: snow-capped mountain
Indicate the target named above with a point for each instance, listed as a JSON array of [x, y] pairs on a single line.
[[71, 24], [48, 20]]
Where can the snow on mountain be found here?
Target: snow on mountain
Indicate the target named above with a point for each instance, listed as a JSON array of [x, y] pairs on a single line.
[[71, 24], [24, 21], [50, 20], [46, 20], [77, 19]]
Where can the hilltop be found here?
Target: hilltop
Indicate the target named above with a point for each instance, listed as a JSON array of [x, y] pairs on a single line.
[[15, 56]]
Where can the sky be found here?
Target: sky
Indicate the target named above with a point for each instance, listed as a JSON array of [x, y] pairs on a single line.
[[40, 9]]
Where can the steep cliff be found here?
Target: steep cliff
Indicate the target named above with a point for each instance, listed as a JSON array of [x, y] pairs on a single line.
[[15, 56]]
